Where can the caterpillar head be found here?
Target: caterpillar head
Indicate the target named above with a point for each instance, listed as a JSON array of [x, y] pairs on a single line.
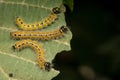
[[16, 47], [13, 47], [56, 10], [63, 29], [47, 66], [18, 19]]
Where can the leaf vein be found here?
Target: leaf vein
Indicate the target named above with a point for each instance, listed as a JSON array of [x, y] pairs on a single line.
[[2, 70], [24, 4], [21, 58]]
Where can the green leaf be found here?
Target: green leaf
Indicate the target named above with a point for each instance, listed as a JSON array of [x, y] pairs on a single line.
[[22, 65], [69, 3]]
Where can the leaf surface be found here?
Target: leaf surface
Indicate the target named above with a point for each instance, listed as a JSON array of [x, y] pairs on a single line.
[[22, 65]]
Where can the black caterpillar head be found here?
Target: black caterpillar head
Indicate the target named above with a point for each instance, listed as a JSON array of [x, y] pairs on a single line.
[[56, 10], [13, 47], [64, 29], [47, 66]]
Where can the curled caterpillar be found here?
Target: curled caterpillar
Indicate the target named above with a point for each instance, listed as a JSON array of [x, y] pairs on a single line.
[[38, 49], [39, 25], [57, 33]]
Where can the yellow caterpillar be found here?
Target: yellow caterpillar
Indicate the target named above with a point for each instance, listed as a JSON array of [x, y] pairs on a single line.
[[38, 49], [39, 25], [48, 35]]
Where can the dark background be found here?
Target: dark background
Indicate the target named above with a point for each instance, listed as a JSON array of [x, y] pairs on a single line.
[[95, 53]]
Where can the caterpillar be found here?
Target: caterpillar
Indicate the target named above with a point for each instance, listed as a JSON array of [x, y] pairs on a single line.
[[38, 49], [48, 35], [39, 25]]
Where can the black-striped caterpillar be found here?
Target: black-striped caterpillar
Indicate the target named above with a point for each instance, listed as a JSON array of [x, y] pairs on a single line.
[[42, 62], [39, 25], [48, 35]]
